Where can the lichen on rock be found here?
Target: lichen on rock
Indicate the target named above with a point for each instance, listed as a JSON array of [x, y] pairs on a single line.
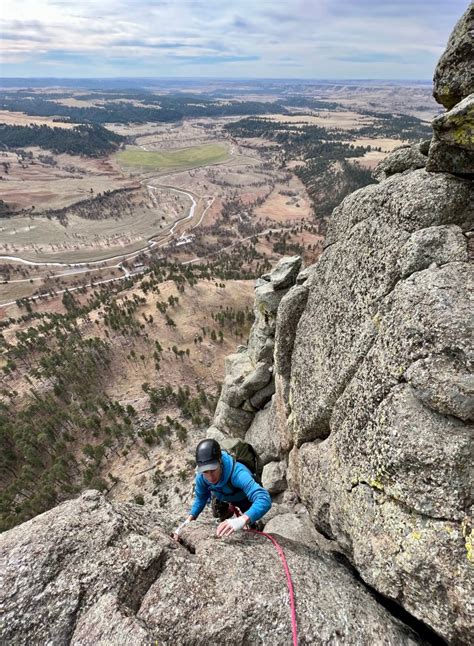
[[454, 75]]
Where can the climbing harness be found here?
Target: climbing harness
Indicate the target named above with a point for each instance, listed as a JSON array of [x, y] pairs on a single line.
[[282, 556]]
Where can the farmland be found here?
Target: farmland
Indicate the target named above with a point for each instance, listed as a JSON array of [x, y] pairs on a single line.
[[192, 157]]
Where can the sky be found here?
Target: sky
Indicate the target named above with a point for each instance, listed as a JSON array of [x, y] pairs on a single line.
[[315, 39]]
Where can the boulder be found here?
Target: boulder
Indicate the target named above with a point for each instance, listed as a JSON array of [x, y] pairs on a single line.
[[401, 160], [263, 396], [260, 437], [296, 527], [440, 245], [267, 300], [238, 365], [274, 477], [277, 509], [239, 386], [258, 378], [284, 274], [454, 74], [214, 433], [452, 147], [230, 420]]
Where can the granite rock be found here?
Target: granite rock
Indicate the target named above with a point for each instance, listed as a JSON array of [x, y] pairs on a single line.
[[285, 273], [274, 477], [454, 74], [401, 160], [452, 146]]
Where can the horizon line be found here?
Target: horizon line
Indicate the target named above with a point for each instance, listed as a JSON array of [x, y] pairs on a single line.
[[210, 78]]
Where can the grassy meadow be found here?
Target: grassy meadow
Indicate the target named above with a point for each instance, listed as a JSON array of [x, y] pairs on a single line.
[[184, 158]]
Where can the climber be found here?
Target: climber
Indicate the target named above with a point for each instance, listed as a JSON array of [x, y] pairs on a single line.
[[230, 484]]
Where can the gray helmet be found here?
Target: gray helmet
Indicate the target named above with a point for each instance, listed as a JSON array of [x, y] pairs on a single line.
[[208, 455]]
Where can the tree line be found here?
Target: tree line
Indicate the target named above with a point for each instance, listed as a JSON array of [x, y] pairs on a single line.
[[86, 140], [169, 108]]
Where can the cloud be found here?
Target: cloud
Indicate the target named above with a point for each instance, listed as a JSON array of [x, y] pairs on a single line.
[[297, 38], [377, 57], [216, 60]]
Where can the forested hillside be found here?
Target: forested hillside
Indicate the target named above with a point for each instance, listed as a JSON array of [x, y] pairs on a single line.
[[156, 108], [329, 171], [87, 140], [61, 419]]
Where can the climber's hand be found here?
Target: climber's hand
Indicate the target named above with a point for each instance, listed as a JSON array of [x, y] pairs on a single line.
[[180, 528], [231, 525]]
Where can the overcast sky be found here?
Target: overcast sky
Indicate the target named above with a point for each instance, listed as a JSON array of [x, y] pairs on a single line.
[[399, 39]]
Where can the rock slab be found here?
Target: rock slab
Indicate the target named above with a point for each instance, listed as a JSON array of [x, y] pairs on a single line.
[[92, 572]]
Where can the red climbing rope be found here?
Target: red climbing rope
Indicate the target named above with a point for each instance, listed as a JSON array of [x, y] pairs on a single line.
[[288, 580], [282, 556]]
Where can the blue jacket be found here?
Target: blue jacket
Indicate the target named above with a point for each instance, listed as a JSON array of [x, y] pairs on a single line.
[[242, 480]]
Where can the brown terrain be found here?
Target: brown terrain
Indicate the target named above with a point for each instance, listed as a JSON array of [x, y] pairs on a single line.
[[132, 365], [249, 210]]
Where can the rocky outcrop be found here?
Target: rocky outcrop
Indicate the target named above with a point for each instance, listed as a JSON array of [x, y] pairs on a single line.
[[79, 572], [369, 422], [92, 572], [452, 147], [454, 75], [374, 396], [401, 160], [249, 384], [356, 390], [358, 271]]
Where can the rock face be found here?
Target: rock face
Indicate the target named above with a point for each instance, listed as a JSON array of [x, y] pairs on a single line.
[[372, 373], [78, 570], [359, 269], [249, 384], [454, 75], [452, 148], [367, 358], [92, 572]]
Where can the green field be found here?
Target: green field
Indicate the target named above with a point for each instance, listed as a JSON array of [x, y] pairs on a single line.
[[184, 158]]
